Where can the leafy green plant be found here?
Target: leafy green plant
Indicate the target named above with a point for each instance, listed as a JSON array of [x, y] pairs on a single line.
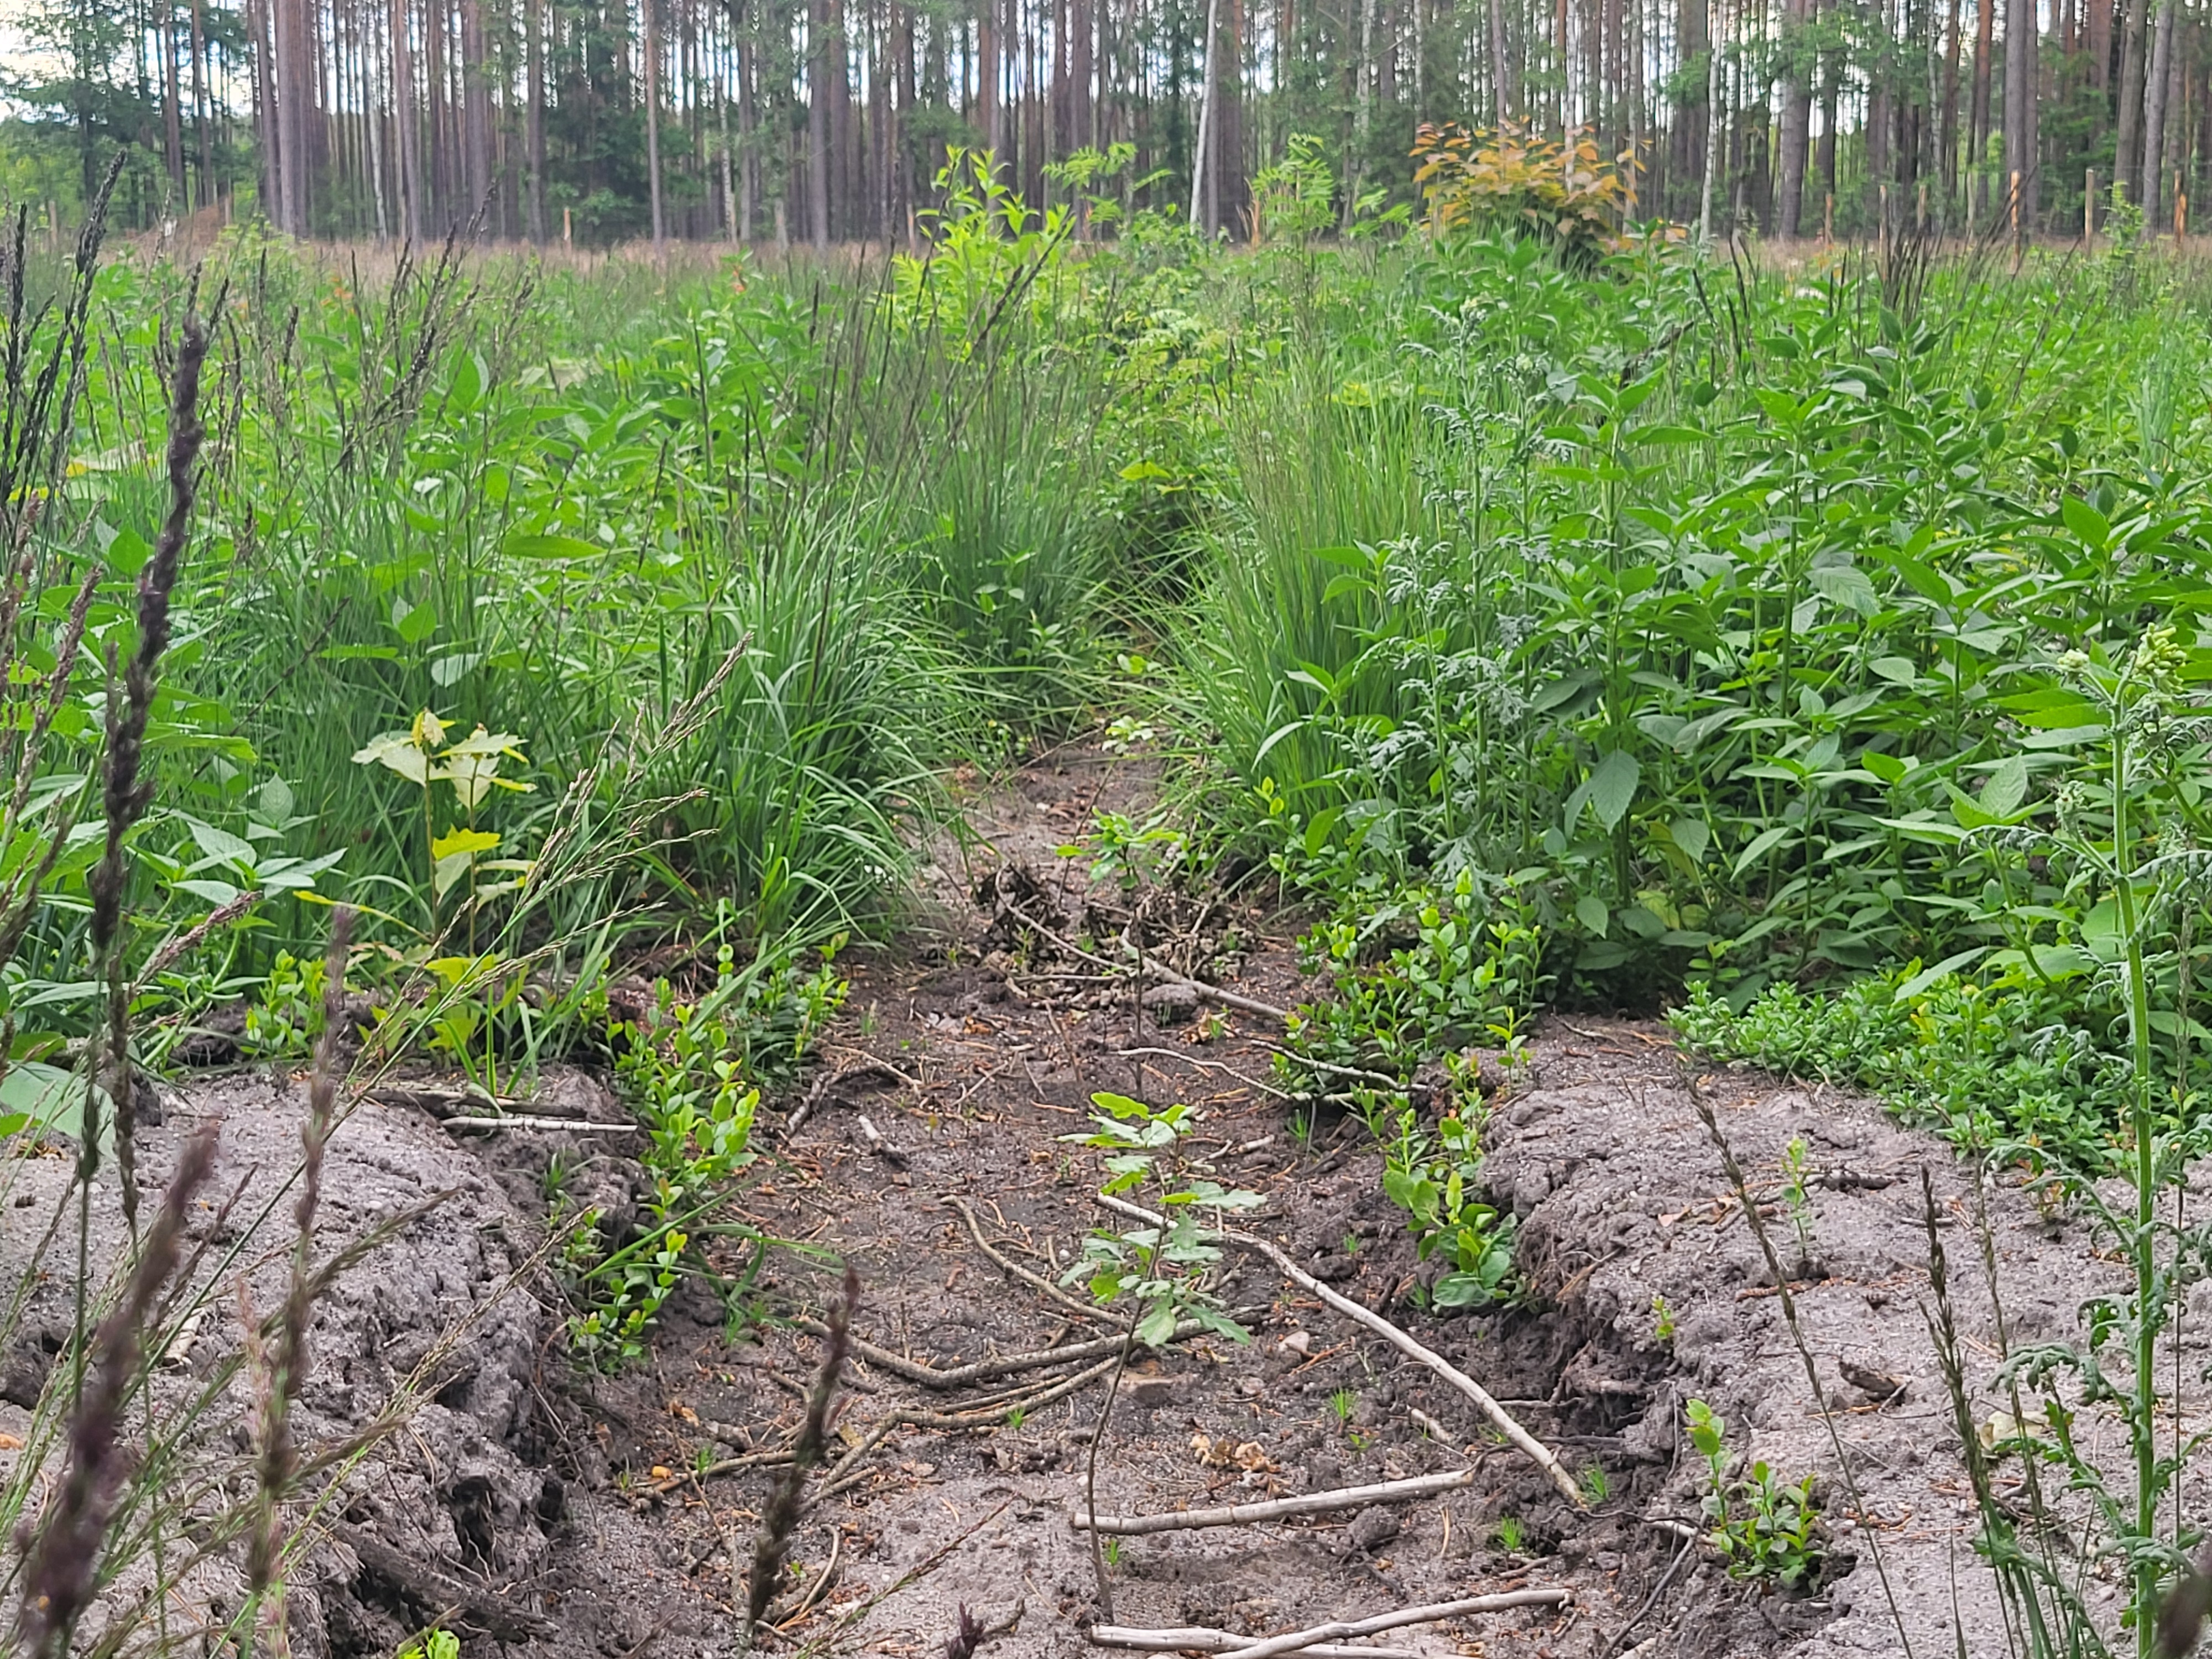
[[1468, 977], [1796, 1193], [1511, 1535], [1159, 1271], [1435, 1182], [1517, 176], [1761, 1527], [687, 1070], [1127, 854], [1293, 200], [283, 1021], [432, 1645], [469, 769], [1343, 1402]]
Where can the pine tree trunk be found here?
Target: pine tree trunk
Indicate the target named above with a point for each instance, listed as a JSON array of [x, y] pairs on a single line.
[[748, 130], [476, 109], [436, 179], [1364, 119], [1947, 140], [533, 114], [2127, 135], [1501, 95], [902, 195], [1712, 128], [204, 190], [1200, 202], [371, 115], [1824, 156], [729, 226], [295, 77], [653, 125], [2019, 146], [818, 123], [1979, 148], [1083, 125], [987, 75], [406, 135], [172, 111], [1230, 171], [1797, 120], [264, 101], [2154, 97]]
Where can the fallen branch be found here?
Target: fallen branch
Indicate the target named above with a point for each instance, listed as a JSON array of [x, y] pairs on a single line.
[[443, 1595], [1298, 1641], [1312, 1503], [827, 1084], [759, 1460], [441, 1101], [1035, 1281], [1359, 1073], [959, 1376], [1160, 971], [1198, 1638], [882, 1148], [1503, 1420], [543, 1125], [846, 1474]]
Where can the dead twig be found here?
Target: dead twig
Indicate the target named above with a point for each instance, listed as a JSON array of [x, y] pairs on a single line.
[[1681, 1556], [1198, 1638], [1206, 1065], [979, 1371], [1502, 1419], [476, 1605], [1311, 1502], [936, 1558], [541, 1124], [1298, 1640], [1147, 966], [881, 1147], [826, 1086], [781, 1515], [1733, 1170], [1033, 1280], [820, 1587]]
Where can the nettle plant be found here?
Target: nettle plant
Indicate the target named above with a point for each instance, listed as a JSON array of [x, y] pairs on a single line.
[[2133, 883], [1160, 1270], [470, 770]]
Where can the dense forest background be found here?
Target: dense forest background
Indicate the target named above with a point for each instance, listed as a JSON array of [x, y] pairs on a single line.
[[823, 121]]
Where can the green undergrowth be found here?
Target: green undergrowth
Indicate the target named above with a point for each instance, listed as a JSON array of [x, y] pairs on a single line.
[[2003, 1066]]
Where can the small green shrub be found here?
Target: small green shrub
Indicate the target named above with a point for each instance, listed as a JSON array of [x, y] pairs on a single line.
[[1762, 1527], [1436, 1183], [284, 1020], [688, 1070], [1161, 1271]]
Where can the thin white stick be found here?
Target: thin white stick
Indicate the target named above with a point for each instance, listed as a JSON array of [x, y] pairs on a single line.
[[1146, 966], [1527, 1443], [1197, 1639], [1312, 1503], [1301, 1640], [548, 1124]]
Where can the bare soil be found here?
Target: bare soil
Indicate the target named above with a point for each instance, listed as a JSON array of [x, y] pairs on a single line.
[[536, 1507]]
